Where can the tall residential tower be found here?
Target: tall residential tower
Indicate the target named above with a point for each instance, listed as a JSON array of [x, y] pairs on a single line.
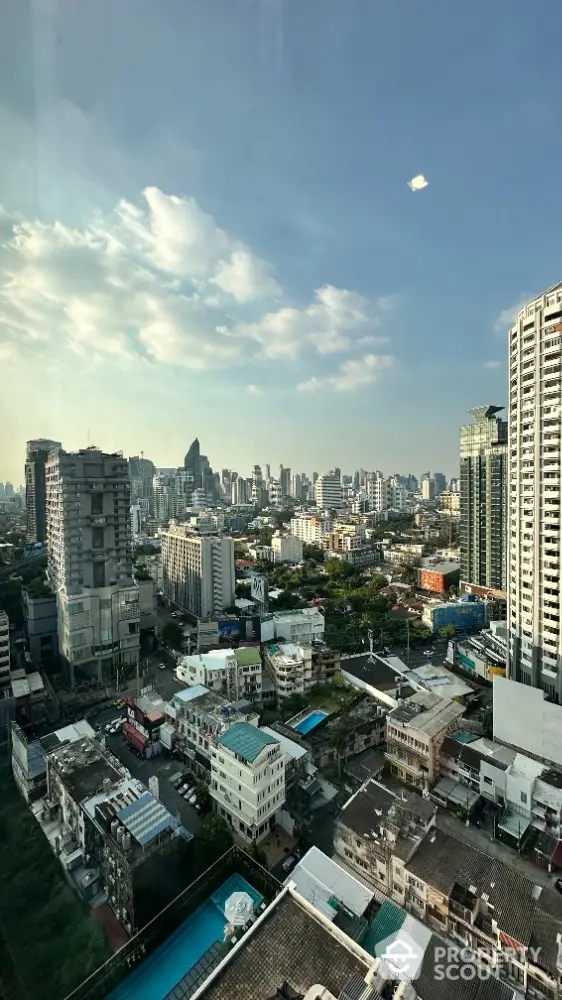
[[483, 499], [35, 498], [535, 452], [90, 559]]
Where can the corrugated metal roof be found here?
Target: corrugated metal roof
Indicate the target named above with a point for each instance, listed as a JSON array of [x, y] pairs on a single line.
[[246, 740], [146, 818]]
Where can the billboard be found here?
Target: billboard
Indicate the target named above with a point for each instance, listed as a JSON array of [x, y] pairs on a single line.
[[229, 626], [258, 589]]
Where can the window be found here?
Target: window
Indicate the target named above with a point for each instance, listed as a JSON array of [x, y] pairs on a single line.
[[487, 780], [524, 798], [97, 538], [97, 503]]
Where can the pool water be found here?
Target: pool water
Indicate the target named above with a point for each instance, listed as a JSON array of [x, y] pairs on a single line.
[[310, 721], [154, 978]]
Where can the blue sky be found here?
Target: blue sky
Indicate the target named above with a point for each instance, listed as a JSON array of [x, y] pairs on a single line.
[[207, 228]]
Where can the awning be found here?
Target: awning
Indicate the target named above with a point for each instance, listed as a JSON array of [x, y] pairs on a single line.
[[132, 734]]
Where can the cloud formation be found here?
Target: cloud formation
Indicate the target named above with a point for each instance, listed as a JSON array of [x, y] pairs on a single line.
[[352, 374], [492, 365], [507, 317], [161, 281], [254, 390]]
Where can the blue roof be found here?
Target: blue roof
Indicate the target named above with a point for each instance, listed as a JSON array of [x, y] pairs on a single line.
[[146, 818], [246, 740]]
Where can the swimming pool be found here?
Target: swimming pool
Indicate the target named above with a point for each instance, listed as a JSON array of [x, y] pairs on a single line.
[[310, 721], [154, 978]]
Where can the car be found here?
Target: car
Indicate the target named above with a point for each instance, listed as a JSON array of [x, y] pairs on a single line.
[[183, 788], [107, 727], [187, 794], [558, 884], [174, 614], [192, 799], [289, 863], [428, 652], [161, 666]]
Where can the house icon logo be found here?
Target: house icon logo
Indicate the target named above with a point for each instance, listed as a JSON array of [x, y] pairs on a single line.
[[401, 956]]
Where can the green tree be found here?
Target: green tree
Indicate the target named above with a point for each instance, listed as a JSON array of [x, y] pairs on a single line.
[[259, 854], [338, 569], [447, 632], [212, 840], [172, 636], [204, 799], [313, 553], [410, 574], [378, 582], [338, 738]]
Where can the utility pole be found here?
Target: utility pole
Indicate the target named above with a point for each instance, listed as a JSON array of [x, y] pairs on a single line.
[[408, 641], [138, 679]]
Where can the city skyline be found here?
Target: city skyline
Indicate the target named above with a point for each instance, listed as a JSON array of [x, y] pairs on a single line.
[[255, 262]]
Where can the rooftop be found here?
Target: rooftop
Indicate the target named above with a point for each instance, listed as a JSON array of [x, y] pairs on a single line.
[[374, 808], [322, 882], [146, 818], [66, 735], [373, 670], [289, 747], [444, 566], [83, 767], [247, 655], [246, 740], [291, 944], [427, 712]]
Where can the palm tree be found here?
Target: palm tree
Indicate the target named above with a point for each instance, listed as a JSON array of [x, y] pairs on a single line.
[[339, 736]]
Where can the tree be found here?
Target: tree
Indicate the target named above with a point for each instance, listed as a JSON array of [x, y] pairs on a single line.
[[378, 582], [172, 636], [212, 840], [447, 632], [313, 552], [259, 854], [204, 799], [339, 736], [339, 569], [410, 574]]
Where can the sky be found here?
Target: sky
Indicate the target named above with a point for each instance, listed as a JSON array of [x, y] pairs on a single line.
[[206, 227]]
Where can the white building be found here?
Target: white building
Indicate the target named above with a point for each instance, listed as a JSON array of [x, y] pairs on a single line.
[[236, 673], [4, 649], [248, 780], [428, 489], [311, 530], [535, 414], [198, 571], [376, 491], [198, 717], [328, 491], [289, 664], [89, 543], [304, 625], [286, 548], [136, 520]]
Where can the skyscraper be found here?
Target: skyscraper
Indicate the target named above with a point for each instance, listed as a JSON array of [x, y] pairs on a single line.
[[535, 419], [192, 462], [36, 457], [198, 570], [88, 495], [328, 491], [483, 499]]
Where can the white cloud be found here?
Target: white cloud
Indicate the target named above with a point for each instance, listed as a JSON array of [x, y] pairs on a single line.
[[254, 390], [492, 365], [418, 183], [507, 317], [159, 281], [352, 374]]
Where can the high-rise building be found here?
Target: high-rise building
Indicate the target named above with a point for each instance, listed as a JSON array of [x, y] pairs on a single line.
[[285, 481], [198, 571], [192, 462], [328, 491], [4, 650], [88, 495], [535, 418], [483, 499], [440, 481], [428, 488], [141, 471], [36, 456]]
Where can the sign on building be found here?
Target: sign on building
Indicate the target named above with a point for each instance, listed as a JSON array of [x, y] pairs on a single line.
[[258, 589]]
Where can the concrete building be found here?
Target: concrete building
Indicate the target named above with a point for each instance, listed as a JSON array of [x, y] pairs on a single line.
[[328, 491], [526, 720], [460, 614], [37, 453], [286, 548], [311, 530], [437, 575], [90, 559], [198, 571], [483, 499], [29, 764], [236, 673], [484, 654], [198, 717], [302, 625], [428, 489], [290, 667], [415, 731], [534, 586], [4, 650], [450, 501], [41, 622], [248, 780]]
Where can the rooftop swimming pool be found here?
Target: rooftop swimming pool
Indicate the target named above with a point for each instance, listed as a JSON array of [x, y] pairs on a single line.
[[156, 977], [310, 721]]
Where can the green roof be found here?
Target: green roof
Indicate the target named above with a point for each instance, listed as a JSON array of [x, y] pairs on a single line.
[[388, 921], [246, 655], [246, 740]]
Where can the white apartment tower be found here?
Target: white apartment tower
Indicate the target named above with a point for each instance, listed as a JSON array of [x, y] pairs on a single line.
[[198, 570], [328, 491], [534, 552], [88, 502]]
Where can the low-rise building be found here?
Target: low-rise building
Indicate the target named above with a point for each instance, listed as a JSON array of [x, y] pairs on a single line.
[[146, 715], [40, 613], [378, 831], [311, 530], [485, 654], [236, 673], [303, 625], [198, 717], [415, 731], [29, 763], [438, 576], [461, 615], [289, 665], [365, 725], [248, 780]]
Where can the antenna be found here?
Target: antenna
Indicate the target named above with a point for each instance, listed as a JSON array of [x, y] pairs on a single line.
[[371, 638]]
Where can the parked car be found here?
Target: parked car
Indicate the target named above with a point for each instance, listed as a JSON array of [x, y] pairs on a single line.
[[192, 799], [161, 666], [558, 884], [289, 863], [187, 794], [183, 788]]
